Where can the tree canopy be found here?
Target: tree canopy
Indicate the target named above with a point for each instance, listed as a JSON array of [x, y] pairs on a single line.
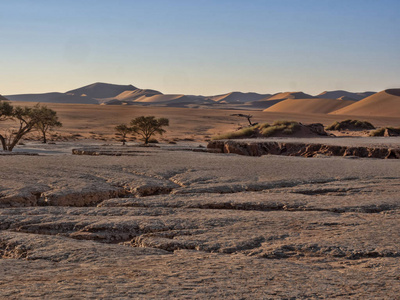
[[147, 126]]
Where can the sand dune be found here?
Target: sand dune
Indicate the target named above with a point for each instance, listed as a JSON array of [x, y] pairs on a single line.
[[385, 103], [309, 106], [102, 90], [238, 97], [128, 96], [290, 95], [344, 95], [53, 98]]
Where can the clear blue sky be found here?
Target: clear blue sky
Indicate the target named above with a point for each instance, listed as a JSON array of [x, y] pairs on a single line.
[[200, 46]]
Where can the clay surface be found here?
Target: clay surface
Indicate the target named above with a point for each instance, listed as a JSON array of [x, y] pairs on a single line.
[[162, 224]]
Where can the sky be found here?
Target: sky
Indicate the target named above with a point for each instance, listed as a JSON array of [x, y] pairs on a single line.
[[202, 47]]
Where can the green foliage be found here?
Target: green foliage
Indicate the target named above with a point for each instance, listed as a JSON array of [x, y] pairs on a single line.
[[350, 124], [47, 119], [381, 131], [146, 127], [123, 130], [245, 132], [6, 110], [286, 127], [26, 118]]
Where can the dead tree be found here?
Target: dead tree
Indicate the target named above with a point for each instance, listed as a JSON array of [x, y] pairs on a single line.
[[248, 117]]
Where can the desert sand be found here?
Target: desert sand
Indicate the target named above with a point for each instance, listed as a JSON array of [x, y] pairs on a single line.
[[235, 97], [178, 224], [385, 103], [340, 94], [313, 106]]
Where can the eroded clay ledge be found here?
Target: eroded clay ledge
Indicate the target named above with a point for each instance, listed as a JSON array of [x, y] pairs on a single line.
[[259, 148]]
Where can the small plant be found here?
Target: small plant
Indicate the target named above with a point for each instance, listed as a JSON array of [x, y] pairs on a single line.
[[351, 125], [122, 131]]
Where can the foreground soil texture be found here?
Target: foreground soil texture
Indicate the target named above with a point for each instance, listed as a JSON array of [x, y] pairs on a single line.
[[161, 224]]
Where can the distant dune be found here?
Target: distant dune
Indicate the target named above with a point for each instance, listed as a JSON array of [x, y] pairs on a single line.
[[344, 95], [2, 98], [102, 90], [309, 106], [290, 95], [128, 96], [385, 104], [238, 97], [53, 98]]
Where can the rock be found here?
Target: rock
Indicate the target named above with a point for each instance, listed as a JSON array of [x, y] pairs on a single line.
[[298, 149]]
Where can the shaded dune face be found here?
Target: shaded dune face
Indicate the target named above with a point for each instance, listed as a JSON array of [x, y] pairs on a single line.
[[385, 103], [394, 92]]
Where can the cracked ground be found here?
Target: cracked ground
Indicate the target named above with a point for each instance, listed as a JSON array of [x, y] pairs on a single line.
[[174, 224]]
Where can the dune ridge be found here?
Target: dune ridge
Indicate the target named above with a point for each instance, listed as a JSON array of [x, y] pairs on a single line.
[[344, 95], [238, 97], [309, 106], [385, 103]]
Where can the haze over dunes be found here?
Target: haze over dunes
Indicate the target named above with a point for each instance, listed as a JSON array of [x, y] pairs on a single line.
[[385, 103], [309, 106], [344, 95], [238, 97]]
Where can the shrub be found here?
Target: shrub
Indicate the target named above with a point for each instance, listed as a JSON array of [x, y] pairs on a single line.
[[245, 132], [350, 124], [381, 131], [286, 127]]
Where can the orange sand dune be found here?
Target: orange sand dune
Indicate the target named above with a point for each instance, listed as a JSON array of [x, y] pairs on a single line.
[[289, 95], [102, 90], [385, 104], [309, 106], [344, 95], [238, 97]]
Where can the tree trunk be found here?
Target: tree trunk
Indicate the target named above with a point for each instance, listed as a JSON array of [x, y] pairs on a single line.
[[3, 143], [44, 137]]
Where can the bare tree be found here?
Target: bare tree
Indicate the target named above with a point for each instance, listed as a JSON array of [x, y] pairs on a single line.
[[248, 117], [146, 127], [123, 130]]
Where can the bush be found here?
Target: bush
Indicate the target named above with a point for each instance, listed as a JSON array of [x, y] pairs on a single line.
[[245, 132], [350, 124], [264, 129], [286, 127], [381, 131]]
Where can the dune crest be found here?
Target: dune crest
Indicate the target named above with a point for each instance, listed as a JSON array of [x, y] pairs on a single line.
[[385, 103], [309, 106], [344, 95], [238, 97]]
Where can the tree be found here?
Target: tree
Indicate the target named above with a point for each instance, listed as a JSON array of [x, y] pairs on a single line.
[[47, 120], [26, 119], [146, 127], [248, 117], [123, 130]]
